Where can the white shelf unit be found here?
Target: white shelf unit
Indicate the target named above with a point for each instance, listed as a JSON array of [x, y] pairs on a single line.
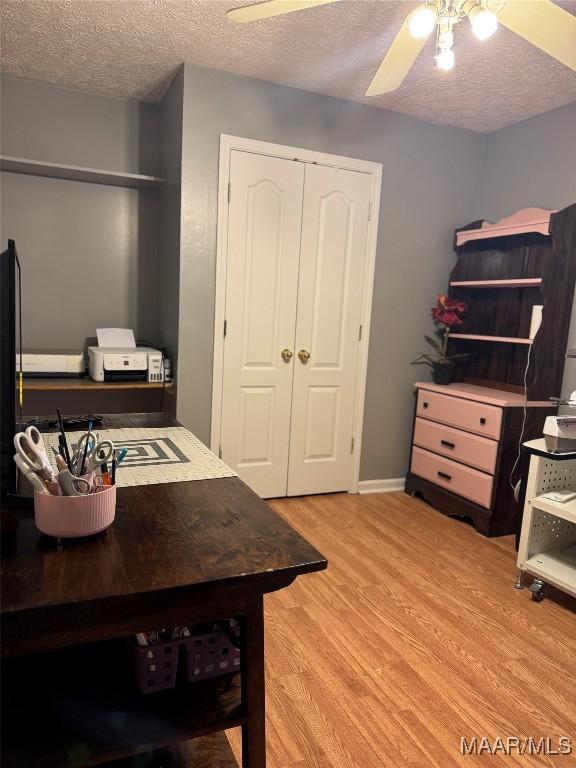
[[557, 567], [521, 282], [78, 173], [547, 549]]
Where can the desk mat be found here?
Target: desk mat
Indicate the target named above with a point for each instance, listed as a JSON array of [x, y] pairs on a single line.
[[155, 455]]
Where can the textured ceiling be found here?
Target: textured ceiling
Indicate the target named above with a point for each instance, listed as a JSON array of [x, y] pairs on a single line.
[[132, 48]]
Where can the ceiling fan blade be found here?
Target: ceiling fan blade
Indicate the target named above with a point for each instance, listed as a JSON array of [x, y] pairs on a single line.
[[398, 61], [272, 8], [545, 25]]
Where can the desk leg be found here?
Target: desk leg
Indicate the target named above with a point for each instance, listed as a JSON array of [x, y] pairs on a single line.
[[252, 675]]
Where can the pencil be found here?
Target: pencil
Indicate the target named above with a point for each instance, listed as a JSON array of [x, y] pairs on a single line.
[[86, 448], [64, 443]]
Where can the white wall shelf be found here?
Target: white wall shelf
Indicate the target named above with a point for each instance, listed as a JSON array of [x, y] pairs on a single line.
[[78, 173]]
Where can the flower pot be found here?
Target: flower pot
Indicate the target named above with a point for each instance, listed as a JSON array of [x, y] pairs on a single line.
[[442, 373]]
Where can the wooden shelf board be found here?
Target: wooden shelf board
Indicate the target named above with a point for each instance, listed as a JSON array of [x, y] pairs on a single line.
[[480, 337], [566, 511], [85, 696], [489, 395], [67, 385], [528, 282], [78, 173]]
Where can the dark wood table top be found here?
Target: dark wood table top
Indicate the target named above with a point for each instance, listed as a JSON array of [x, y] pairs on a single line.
[[189, 538]]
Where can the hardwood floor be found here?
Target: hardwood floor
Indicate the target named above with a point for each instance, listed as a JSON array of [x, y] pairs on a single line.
[[413, 638]]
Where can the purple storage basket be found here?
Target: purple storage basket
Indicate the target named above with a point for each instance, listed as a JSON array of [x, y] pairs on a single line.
[[210, 654], [155, 666]]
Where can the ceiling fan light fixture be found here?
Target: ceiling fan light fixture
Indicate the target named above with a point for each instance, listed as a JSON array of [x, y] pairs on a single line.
[[423, 21], [445, 59], [484, 22], [445, 55]]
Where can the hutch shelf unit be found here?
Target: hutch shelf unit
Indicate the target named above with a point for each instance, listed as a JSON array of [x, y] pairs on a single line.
[[547, 549], [465, 448]]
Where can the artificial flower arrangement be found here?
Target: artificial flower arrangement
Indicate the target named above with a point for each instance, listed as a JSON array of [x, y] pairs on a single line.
[[446, 314]]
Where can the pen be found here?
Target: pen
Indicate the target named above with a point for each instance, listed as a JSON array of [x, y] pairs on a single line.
[[121, 456], [63, 436], [114, 468], [104, 469]]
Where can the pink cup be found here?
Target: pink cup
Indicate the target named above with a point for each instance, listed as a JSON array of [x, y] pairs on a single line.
[[68, 517]]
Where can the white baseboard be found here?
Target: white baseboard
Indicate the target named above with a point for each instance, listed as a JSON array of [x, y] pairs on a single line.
[[381, 486]]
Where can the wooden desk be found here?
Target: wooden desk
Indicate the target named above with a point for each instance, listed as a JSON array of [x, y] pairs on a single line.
[[177, 553]]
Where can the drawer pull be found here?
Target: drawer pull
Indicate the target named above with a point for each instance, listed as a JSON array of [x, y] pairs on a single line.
[[482, 420], [447, 444], [444, 476], [424, 405]]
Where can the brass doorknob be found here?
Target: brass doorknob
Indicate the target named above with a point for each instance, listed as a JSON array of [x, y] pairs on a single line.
[[286, 355], [304, 355]]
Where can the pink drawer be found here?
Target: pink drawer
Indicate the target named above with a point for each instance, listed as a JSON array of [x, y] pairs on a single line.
[[479, 452], [455, 477], [457, 412]]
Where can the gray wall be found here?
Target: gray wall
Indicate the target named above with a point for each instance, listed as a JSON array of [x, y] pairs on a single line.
[[428, 189], [170, 212], [533, 163], [88, 252], [121, 261]]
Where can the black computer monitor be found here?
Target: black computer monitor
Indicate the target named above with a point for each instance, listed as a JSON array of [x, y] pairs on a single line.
[[9, 307]]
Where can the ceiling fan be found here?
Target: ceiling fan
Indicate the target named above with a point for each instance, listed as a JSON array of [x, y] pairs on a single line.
[[541, 22]]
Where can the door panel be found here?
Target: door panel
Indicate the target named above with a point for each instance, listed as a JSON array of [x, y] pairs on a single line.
[[264, 226], [322, 423], [332, 262]]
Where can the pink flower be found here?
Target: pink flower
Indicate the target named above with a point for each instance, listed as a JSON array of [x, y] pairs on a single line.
[[447, 311]]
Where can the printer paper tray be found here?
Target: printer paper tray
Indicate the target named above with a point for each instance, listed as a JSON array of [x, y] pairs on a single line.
[[124, 375]]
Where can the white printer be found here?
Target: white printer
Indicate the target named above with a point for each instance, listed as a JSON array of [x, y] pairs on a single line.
[[112, 361], [125, 364]]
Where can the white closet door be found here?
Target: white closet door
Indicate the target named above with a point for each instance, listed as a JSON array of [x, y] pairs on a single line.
[[264, 226], [332, 262]]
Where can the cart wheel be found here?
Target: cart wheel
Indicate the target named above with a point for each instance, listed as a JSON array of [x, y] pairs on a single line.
[[538, 589]]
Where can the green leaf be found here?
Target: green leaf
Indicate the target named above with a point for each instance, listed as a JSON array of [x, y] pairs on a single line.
[[434, 344]]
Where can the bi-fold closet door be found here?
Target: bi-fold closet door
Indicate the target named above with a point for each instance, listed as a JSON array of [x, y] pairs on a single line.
[[295, 271]]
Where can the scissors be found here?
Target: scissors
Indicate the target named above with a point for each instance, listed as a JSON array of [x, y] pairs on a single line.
[[30, 447], [32, 477], [71, 485], [96, 453]]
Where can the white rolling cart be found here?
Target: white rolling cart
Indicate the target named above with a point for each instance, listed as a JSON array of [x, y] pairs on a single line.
[[547, 549]]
